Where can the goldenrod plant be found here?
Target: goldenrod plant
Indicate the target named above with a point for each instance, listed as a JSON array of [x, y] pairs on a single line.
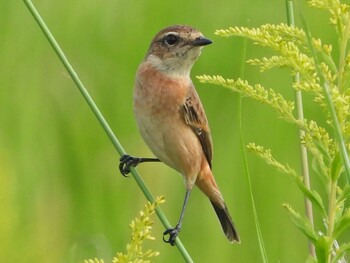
[[141, 228], [325, 77]]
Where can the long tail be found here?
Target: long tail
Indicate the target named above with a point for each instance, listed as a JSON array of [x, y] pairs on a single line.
[[206, 182], [226, 223]]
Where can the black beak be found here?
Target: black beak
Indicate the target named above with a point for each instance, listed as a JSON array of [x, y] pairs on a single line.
[[201, 41]]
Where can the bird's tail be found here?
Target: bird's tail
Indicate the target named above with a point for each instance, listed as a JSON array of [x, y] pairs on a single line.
[[206, 182], [226, 222]]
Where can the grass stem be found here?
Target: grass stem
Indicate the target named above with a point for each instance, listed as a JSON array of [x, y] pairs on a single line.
[[245, 163], [101, 119]]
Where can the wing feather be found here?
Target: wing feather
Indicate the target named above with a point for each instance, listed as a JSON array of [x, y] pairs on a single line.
[[195, 117]]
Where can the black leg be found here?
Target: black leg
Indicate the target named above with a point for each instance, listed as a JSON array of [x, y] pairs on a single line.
[[126, 161], [174, 232]]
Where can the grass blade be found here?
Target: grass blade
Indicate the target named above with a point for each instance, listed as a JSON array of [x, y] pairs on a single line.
[[245, 165]]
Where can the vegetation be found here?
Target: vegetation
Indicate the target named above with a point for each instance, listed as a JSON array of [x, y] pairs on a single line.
[[326, 79], [62, 198]]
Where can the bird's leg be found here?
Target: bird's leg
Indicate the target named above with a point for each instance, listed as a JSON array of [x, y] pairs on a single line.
[[174, 232], [126, 161]]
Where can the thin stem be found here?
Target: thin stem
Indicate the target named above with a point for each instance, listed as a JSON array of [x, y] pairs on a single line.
[[102, 120], [303, 150], [342, 54], [325, 86], [332, 202], [245, 164], [246, 170]]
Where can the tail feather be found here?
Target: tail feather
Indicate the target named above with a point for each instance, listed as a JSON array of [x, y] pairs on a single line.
[[226, 223]]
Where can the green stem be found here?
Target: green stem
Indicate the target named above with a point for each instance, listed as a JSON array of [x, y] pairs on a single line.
[[245, 164], [101, 119], [325, 86], [246, 170], [332, 202], [303, 150]]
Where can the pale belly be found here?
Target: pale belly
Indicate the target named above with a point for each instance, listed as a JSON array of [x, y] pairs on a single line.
[[173, 142]]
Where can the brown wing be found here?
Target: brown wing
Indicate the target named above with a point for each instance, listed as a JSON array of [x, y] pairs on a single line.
[[195, 117]]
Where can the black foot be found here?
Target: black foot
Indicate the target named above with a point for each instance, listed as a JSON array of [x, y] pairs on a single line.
[[173, 233], [126, 161]]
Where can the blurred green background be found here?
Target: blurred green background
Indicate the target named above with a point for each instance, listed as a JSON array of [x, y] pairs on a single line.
[[62, 198]]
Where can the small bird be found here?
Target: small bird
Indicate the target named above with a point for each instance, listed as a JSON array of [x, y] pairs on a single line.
[[172, 121]]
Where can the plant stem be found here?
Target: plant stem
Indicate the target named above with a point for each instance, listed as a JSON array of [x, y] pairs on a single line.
[[303, 150], [246, 170], [331, 213], [101, 119], [245, 164], [325, 87]]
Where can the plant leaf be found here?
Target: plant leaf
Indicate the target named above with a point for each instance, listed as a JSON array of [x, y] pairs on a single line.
[[337, 167], [342, 224], [302, 223], [312, 195], [340, 252], [321, 247]]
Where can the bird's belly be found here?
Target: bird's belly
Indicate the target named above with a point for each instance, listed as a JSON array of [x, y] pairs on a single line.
[[153, 135], [173, 142]]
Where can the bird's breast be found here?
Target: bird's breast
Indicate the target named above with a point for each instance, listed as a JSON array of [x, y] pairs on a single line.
[[159, 95]]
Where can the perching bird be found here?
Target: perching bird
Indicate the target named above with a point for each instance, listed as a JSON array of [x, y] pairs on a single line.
[[172, 121]]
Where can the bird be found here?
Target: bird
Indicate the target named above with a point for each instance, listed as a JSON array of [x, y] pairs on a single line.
[[172, 121]]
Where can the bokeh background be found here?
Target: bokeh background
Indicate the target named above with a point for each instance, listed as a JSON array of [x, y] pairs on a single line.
[[62, 198]]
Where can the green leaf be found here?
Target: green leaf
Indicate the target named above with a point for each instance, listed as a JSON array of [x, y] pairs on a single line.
[[302, 223], [316, 167], [312, 195], [342, 224], [343, 194], [322, 247], [340, 252], [337, 167]]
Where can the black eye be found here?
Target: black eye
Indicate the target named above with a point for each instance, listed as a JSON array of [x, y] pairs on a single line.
[[171, 39]]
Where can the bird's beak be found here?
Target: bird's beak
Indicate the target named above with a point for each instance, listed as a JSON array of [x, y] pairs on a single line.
[[201, 41]]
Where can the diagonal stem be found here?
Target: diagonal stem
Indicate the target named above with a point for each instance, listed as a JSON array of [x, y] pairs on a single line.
[[262, 248], [102, 120]]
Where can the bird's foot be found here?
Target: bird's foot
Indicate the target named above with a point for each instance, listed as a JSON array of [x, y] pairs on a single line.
[[173, 233], [126, 161]]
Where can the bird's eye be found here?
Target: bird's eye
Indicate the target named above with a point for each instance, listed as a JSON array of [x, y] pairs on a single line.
[[171, 39]]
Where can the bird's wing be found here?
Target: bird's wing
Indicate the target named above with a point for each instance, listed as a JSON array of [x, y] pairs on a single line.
[[195, 117]]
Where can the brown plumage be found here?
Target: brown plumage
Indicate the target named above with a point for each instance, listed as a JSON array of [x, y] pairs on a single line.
[[171, 117]]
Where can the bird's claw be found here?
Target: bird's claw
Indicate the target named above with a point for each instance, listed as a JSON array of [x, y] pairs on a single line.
[[125, 162], [173, 233]]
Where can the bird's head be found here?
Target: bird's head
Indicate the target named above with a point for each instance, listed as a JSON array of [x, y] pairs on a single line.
[[175, 49]]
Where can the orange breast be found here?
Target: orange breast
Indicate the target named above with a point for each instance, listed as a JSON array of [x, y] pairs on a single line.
[[160, 93]]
